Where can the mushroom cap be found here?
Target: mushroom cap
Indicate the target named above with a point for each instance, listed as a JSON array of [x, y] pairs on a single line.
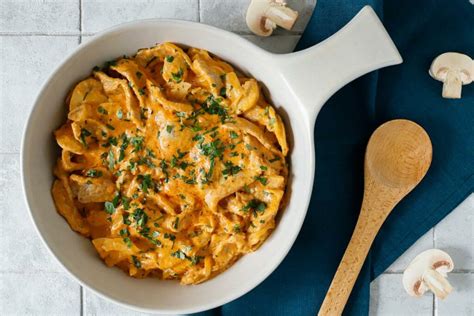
[[256, 19], [429, 259], [264, 15], [451, 61]]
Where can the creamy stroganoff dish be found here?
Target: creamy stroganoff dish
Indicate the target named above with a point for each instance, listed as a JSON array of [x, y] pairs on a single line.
[[172, 163]]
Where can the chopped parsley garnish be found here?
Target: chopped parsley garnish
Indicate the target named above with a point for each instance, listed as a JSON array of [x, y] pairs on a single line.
[[136, 262], [233, 135], [137, 143], [102, 110], [146, 183], [274, 159], [196, 259], [110, 127], [169, 128], [132, 166], [237, 228], [164, 168], [255, 205], [223, 92], [119, 114], [125, 202], [125, 219], [84, 133], [179, 254], [170, 237], [110, 141], [142, 91], [139, 74], [176, 223], [169, 58], [109, 207], [230, 169], [264, 168], [198, 137], [262, 180], [93, 173], [111, 159], [140, 217], [212, 106], [177, 76]]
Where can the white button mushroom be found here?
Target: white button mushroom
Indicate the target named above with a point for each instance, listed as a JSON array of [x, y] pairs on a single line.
[[264, 15], [454, 70], [428, 271]]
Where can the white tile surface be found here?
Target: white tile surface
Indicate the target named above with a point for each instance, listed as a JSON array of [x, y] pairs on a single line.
[[424, 243], [20, 246], [95, 306], [31, 282], [40, 293], [455, 235], [234, 11], [387, 297], [461, 301], [100, 14], [35, 16], [25, 63]]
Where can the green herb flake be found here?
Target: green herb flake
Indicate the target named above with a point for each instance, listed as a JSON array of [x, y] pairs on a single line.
[[230, 169], [169, 128], [93, 173], [110, 127], [84, 133], [169, 58], [177, 76], [223, 92], [109, 207], [255, 205], [136, 262], [119, 114], [262, 180], [237, 228], [140, 217], [176, 223], [233, 135], [139, 74], [111, 160], [102, 110]]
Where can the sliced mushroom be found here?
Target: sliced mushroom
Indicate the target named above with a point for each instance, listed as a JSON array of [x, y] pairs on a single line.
[[428, 271], [454, 70], [263, 16]]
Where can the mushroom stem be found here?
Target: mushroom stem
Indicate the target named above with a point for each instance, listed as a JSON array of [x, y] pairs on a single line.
[[281, 16], [437, 283], [452, 85]]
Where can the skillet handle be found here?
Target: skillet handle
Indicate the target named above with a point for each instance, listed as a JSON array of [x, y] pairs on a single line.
[[316, 73]]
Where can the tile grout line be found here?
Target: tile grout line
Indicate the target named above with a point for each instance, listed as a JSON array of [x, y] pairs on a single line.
[[80, 21], [81, 288], [19, 34], [199, 11], [81, 293]]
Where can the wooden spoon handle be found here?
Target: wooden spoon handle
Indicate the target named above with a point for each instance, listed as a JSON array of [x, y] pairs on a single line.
[[346, 275]]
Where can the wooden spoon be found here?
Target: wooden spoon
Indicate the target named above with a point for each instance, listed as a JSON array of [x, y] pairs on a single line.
[[397, 158]]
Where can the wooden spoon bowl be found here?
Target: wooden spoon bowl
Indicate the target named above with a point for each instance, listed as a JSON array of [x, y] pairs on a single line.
[[397, 158]]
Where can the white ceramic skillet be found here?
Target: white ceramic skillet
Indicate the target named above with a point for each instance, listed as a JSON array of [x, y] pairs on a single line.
[[298, 84]]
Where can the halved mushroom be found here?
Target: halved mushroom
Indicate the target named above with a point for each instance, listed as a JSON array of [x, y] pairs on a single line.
[[454, 70], [428, 271], [263, 16]]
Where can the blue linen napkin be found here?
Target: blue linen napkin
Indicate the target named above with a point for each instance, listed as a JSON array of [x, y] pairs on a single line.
[[422, 30]]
